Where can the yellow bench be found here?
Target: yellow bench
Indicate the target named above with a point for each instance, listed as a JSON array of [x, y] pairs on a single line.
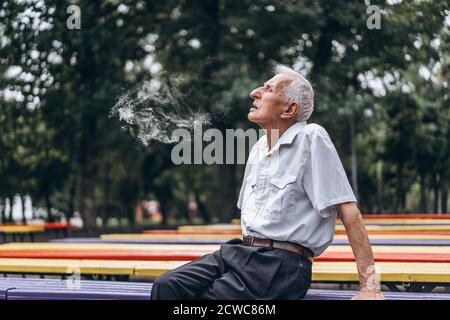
[[211, 227], [170, 236], [340, 228], [388, 271], [400, 272], [21, 229]]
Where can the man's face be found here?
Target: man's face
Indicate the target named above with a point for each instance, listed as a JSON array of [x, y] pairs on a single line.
[[268, 101]]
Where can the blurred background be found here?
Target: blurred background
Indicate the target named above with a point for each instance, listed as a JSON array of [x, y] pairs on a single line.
[[381, 93]]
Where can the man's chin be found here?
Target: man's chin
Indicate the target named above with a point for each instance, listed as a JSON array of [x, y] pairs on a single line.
[[252, 118]]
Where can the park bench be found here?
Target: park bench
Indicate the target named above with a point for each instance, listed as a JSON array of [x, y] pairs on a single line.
[[66, 246], [19, 232], [182, 255], [72, 289], [56, 289], [416, 276], [396, 235], [212, 241], [407, 216], [58, 228]]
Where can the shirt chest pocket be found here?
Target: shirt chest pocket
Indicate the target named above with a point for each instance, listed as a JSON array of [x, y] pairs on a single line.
[[282, 196]]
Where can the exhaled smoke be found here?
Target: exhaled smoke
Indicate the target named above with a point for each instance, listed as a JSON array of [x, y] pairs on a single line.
[[153, 110]]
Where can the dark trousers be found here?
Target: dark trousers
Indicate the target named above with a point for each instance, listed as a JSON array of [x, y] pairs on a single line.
[[237, 272]]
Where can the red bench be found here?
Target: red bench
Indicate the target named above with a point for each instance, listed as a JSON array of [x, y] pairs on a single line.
[[191, 255]]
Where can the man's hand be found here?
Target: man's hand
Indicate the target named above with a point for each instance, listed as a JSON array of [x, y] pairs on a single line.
[[366, 294], [359, 241]]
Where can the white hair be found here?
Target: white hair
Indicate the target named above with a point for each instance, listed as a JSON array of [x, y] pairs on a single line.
[[299, 91]]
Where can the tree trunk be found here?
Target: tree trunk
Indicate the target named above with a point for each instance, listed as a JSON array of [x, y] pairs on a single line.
[[423, 194], [24, 218], [227, 197], [165, 198], [398, 190], [48, 204], [88, 213], [444, 197], [435, 193], [380, 204], [3, 211], [9, 217], [33, 213], [106, 183], [72, 194], [87, 185], [202, 210]]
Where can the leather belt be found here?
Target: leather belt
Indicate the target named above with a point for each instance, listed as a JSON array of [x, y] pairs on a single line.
[[285, 245]]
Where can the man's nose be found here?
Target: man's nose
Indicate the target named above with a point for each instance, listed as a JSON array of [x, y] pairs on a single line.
[[255, 94]]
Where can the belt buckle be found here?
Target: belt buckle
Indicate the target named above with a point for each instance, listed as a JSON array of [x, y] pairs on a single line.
[[248, 240]]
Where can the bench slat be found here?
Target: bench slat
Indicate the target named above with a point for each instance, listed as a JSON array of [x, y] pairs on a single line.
[[54, 289], [322, 271], [385, 242], [180, 255]]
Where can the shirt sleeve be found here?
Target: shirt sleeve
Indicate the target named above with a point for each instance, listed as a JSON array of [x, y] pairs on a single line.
[[325, 181]]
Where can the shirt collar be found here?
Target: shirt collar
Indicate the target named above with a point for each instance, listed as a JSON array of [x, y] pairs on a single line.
[[286, 138]]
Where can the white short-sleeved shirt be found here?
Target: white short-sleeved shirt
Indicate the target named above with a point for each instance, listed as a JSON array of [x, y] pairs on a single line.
[[289, 192]]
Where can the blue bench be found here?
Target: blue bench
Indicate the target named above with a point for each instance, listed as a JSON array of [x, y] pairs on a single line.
[[326, 294], [57, 289]]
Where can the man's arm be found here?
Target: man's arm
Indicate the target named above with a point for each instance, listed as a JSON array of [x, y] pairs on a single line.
[[359, 241]]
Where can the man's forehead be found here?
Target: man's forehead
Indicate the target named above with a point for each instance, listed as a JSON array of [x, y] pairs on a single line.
[[279, 80]]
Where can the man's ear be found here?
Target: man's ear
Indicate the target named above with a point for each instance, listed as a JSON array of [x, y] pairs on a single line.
[[291, 111]]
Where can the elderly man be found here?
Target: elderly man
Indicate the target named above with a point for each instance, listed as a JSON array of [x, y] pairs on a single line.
[[293, 187]]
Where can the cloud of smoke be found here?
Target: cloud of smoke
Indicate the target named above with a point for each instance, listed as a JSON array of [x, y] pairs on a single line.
[[153, 110]]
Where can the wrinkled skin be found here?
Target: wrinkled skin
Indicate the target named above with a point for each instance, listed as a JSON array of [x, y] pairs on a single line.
[[369, 281]]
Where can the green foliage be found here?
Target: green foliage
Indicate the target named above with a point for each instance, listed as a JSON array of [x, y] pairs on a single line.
[[59, 146]]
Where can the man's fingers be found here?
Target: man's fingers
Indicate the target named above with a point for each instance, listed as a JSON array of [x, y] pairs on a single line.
[[369, 296]]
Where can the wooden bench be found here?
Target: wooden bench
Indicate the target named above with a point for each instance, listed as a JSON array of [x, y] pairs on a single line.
[[19, 232], [182, 255], [389, 217], [170, 236], [212, 241], [406, 273], [55, 289], [58, 228], [407, 216], [67, 246], [233, 233], [401, 227], [322, 294], [61, 246]]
